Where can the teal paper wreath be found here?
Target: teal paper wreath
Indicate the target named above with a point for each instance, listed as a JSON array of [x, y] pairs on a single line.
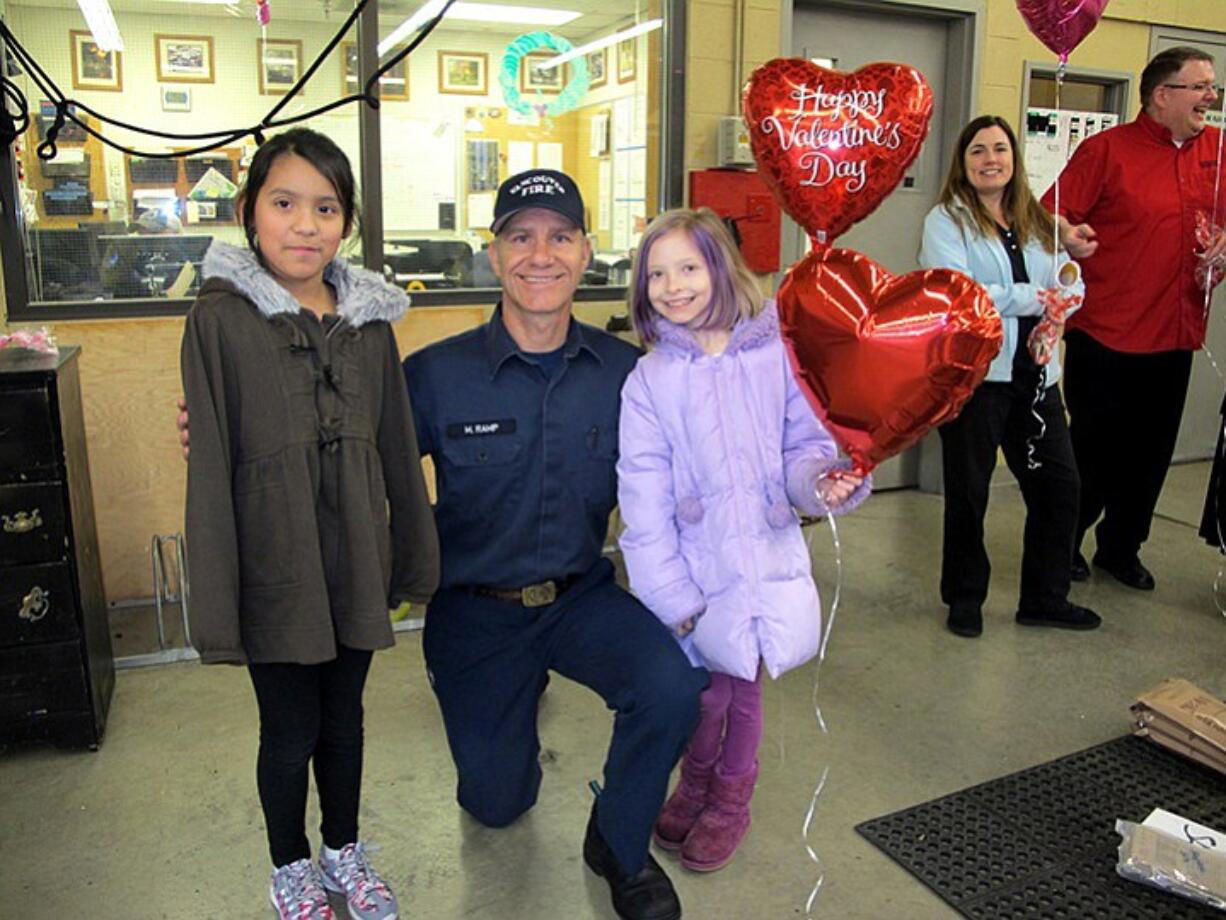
[[512, 60]]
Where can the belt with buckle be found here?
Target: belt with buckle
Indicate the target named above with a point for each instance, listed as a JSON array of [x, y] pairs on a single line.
[[541, 594]]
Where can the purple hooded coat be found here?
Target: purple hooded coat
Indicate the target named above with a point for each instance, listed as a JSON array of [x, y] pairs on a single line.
[[715, 452]]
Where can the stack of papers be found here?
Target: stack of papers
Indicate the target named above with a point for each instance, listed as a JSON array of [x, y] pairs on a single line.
[[1187, 720]]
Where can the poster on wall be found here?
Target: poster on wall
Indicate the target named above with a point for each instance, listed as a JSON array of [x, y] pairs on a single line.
[[1052, 135]]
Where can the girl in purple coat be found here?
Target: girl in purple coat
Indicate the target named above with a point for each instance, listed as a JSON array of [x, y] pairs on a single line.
[[717, 447]]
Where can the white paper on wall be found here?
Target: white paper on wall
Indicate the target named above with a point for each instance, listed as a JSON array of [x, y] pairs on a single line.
[[519, 157], [549, 155]]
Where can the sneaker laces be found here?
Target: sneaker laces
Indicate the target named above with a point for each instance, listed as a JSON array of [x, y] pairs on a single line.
[[298, 882], [362, 883]]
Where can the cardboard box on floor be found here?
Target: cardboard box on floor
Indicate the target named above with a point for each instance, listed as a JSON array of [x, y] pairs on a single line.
[[1184, 718]]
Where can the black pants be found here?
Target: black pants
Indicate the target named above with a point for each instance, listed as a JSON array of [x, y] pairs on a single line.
[[999, 415], [310, 712], [488, 662], [1124, 412]]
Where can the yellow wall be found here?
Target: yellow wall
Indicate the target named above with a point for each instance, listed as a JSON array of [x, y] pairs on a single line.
[[130, 370]]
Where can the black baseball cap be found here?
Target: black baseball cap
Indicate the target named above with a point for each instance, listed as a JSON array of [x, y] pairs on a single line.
[[539, 188]]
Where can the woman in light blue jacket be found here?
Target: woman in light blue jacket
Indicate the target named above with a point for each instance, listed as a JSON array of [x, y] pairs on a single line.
[[989, 225]]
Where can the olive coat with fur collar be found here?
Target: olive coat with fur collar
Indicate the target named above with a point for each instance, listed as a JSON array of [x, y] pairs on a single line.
[[307, 515]]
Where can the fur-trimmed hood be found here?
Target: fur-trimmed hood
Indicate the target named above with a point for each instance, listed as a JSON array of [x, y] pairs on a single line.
[[746, 334], [361, 295]]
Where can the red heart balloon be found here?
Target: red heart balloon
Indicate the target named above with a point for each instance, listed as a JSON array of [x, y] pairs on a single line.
[[832, 145], [1061, 24], [884, 358]]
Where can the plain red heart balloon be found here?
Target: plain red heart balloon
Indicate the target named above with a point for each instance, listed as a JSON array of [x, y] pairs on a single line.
[[832, 145], [884, 358]]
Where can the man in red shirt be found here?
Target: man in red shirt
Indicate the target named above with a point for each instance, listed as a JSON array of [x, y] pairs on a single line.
[[1130, 200]]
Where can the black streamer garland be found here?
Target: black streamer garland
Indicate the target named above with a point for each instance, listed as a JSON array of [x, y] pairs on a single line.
[[66, 109]]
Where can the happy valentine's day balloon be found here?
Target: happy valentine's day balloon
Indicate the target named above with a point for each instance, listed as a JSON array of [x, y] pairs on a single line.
[[1061, 24], [884, 358], [832, 145]]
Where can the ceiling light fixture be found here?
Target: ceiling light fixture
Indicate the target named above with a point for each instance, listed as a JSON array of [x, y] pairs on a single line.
[[641, 29], [476, 12], [101, 22]]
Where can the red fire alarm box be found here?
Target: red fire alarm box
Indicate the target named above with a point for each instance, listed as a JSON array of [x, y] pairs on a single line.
[[742, 196]]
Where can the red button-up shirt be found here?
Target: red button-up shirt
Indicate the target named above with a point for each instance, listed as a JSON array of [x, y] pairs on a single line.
[[1141, 194]]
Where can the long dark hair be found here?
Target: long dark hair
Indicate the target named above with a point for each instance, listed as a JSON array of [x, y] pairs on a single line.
[[318, 150], [1028, 219]]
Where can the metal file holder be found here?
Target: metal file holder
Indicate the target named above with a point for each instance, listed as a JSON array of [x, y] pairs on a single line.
[[163, 596]]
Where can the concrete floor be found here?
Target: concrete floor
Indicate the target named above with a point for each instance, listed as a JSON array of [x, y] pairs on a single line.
[[163, 821]]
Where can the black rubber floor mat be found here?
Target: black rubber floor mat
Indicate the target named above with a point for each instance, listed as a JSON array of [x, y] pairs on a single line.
[[1042, 842]]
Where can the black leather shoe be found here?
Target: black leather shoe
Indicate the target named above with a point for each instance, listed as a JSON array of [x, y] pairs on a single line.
[[646, 895], [1070, 616], [1130, 572], [965, 620], [1081, 569]]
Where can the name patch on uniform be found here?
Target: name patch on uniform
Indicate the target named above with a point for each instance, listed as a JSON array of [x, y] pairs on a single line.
[[481, 429]]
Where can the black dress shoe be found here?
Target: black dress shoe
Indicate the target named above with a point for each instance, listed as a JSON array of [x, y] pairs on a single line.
[[1130, 572], [965, 620], [1070, 616], [1081, 569], [646, 895]]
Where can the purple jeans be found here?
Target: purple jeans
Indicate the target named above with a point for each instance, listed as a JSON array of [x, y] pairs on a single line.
[[729, 725]]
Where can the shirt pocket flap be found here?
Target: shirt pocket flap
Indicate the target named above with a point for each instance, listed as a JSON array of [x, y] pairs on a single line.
[[480, 452]]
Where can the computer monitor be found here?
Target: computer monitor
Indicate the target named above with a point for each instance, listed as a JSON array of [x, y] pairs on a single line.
[[147, 265]]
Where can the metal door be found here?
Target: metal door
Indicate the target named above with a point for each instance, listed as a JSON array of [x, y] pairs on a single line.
[[850, 38]]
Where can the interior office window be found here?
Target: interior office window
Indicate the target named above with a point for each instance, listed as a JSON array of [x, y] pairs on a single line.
[[477, 107], [105, 233], [118, 233]]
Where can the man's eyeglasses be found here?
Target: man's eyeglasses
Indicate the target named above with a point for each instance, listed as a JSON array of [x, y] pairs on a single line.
[[1201, 88]]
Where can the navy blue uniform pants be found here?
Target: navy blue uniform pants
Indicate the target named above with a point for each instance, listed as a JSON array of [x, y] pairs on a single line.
[[488, 661]]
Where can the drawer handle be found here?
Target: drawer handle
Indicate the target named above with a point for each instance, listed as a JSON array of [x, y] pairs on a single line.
[[34, 606], [22, 522]]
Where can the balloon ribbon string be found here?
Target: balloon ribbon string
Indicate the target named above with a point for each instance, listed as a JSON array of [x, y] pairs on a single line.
[[828, 628]]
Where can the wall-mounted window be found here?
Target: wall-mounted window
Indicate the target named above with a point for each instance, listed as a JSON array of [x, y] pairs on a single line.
[[104, 233]]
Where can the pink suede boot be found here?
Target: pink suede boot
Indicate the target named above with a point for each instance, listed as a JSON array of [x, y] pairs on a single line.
[[684, 805], [722, 824]]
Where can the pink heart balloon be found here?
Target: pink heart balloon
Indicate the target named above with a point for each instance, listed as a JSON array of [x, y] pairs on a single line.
[[1061, 24]]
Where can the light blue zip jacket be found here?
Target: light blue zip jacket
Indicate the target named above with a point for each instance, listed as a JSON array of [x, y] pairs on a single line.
[[963, 247]]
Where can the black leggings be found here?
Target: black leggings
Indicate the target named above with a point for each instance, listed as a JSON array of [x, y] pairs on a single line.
[[310, 712]]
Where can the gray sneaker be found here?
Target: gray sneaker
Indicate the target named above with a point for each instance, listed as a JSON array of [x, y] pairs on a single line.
[[351, 874], [297, 893]]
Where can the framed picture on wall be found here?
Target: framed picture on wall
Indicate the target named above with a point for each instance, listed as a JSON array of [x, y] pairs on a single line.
[[93, 68], [534, 79], [597, 67], [464, 73], [184, 58], [626, 60], [176, 99], [393, 85], [280, 65]]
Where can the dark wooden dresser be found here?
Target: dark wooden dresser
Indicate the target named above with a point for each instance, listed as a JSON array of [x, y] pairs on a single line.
[[56, 671]]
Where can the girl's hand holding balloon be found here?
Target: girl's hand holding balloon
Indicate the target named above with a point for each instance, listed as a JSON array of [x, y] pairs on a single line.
[[836, 488]]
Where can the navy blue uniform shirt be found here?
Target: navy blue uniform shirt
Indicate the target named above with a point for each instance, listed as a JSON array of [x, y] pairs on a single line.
[[525, 461]]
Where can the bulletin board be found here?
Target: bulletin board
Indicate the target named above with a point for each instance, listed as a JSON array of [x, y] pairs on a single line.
[[1051, 137]]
